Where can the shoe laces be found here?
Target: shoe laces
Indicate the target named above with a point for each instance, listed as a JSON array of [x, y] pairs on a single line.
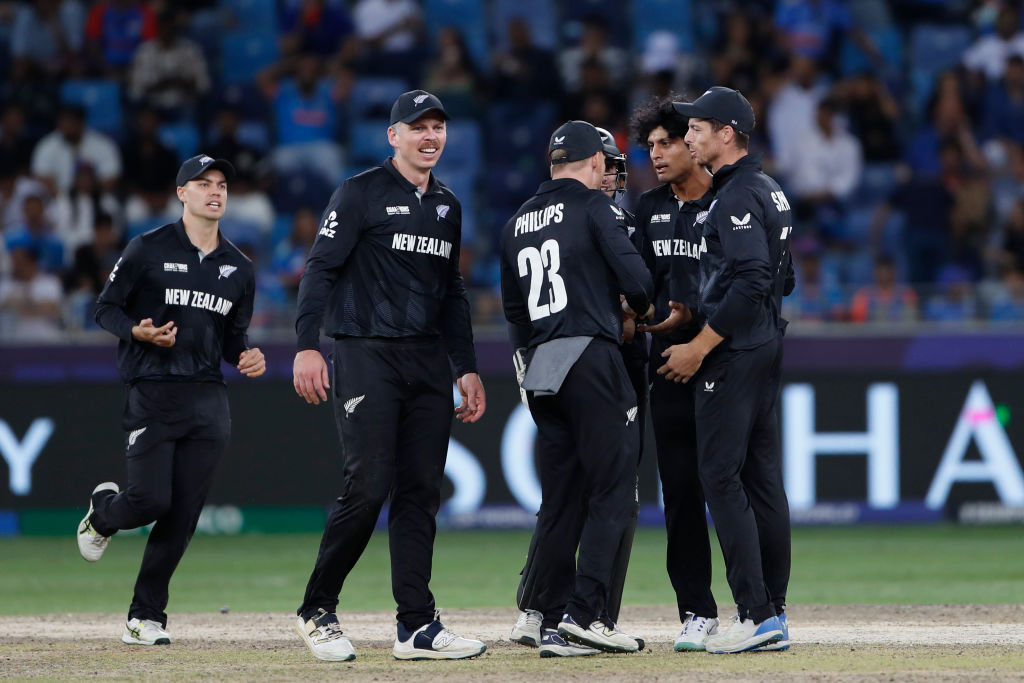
[[694, 624], [327, 630], [530, 617]]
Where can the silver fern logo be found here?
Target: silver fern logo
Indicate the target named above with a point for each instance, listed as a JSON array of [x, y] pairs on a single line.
[[352, 403], [134, 436], [225, 271], [631, 415]]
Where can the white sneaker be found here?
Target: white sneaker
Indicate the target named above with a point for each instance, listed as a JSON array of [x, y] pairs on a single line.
[[607, 638], [695, 631], [145, 632], [782, 644], [553, 645], [90, 543], [527, 628], [744, 635], [434, 641], [322, 634]]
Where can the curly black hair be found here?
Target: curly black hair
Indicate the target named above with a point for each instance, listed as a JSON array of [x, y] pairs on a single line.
[[655, 112]]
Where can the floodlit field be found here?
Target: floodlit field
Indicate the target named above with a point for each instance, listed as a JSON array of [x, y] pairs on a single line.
[[924, 603]]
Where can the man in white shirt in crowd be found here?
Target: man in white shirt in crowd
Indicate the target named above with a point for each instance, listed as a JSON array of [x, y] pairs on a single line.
[[57, 155]]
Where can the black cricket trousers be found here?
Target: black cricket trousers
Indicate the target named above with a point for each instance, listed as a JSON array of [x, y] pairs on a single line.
[[587, 443], [176, 434], [393, 407], [733, 394], [563, 518], [688, 551]]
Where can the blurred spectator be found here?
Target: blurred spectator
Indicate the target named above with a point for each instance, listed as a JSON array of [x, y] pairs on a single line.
[[37, 232], [115, 29], [886, 300], [791, 114], [1012, 256], [56, 157], [289, 260], [593, 46], [15, 144], [817, 295], [827, 163], [149, 165], [47, 39], [1006, 300], [739, 56], [14, 188], [453, 76], [526, 72], [29, 299], [989, 54], [952, 300], [947, 122], [595, 100], [251, 216], [810, 28], [91, 266], [76, 212], [322, 27], [305, 112], [389, 32], [226, 145], [169, 72], [874, 115], [1004, 103]]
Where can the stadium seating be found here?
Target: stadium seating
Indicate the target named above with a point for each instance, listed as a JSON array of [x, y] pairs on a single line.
[[368, 142], [243, 55], [101, 100], [372, 97], [662, 15], [182, 137], [933, 49], [251, 16], [465, 15], [538, 14], [889, 44]]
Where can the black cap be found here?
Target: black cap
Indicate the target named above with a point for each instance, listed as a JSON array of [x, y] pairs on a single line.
[[200, 164], [413, 104], [578, 139], [721, 104]]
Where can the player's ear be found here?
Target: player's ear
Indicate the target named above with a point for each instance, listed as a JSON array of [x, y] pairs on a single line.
[[180, 191], [393, 134]]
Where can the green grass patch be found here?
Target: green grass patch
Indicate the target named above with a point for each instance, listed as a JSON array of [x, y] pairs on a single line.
[[836, 565]]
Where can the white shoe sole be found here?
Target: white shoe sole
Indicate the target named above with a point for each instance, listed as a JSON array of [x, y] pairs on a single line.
[[87, 549], [129, 639], [417, 654], [688, 647], [547, 651], [300, 626], [588, 638], [758, 641]]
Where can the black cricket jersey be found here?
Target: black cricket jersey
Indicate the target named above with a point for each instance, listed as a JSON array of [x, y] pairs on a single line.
[[565, 258], [163, 276], [743, 271], [672, 245], [385, 263]]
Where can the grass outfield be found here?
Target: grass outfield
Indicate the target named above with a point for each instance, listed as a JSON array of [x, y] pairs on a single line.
[[259, 573]]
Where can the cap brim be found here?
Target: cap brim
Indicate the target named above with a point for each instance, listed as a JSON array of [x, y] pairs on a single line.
[[417, 115], [222, 165], [691, 110]]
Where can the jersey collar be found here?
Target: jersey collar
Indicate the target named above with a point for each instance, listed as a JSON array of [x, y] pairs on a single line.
[[559, 183], [746, 162], [222, 243], [433, 187]]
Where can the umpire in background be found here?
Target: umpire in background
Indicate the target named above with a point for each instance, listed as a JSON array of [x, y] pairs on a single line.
[[670, 219], [565, 259], [180, 300], [733, 360], [383, 276]]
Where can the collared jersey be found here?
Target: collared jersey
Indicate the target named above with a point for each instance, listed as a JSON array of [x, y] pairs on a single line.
[[744, 270], [565, 258], [385, 263], [163, 276], [672, 246]]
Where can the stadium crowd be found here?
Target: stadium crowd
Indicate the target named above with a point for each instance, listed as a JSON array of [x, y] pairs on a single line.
[[896, 128]]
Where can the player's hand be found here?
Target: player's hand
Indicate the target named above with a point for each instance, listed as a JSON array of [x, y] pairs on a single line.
[[683, 362], [252, 363], [678, 315], [165, 335], [310, 376], [474, 401]]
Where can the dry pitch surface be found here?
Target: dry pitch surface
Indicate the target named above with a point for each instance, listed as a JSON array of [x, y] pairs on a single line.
[[847, 643]]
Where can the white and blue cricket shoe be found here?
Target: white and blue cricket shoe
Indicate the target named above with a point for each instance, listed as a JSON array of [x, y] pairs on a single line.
[[779, 645], [434, 641], [744, 635]]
